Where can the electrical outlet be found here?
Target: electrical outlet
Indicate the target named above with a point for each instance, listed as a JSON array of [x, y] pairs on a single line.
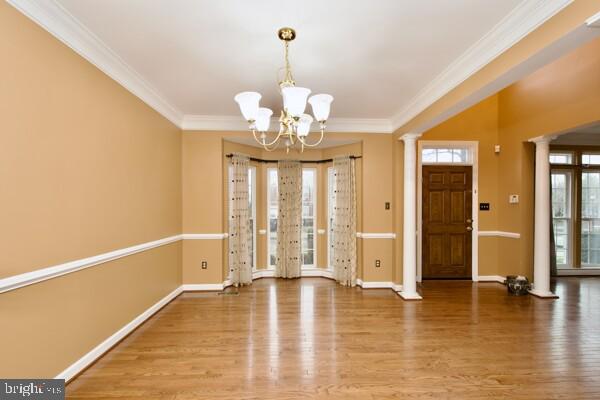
[[204, 264], [377, 263]]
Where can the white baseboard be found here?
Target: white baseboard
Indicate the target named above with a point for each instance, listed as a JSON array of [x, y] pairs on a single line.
[[379, 285], [263, 273], [195, 287], [491, 278], [103, 347], [579, 272]]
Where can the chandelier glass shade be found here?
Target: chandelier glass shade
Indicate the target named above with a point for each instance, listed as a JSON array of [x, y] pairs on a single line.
[[294, 123]]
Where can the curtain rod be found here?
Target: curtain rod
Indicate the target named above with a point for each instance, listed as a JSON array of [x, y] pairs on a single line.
[[302, 161]]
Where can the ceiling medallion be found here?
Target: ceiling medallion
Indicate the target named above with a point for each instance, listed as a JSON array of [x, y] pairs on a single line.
[[294, 124]]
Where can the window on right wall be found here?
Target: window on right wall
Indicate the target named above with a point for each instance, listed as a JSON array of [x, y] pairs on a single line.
[[576, 206]]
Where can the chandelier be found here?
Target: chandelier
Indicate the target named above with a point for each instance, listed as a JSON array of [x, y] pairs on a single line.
[[294, 124]]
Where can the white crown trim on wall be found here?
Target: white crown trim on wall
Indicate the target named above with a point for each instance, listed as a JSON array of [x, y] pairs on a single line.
[[517, 24], [230, 123], [51, 16], [521, 21]]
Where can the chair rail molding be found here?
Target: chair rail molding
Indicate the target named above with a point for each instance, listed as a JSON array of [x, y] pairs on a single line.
[[385, 235], [512, 235], [39, 275]]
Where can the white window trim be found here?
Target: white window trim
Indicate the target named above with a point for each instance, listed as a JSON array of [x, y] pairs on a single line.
[[473, 160]]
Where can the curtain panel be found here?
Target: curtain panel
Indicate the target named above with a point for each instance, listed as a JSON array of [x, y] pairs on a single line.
[[240, 266], [289, 219], [344, 221]]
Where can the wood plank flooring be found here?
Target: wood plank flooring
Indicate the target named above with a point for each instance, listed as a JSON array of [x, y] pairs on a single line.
[[310, 338]]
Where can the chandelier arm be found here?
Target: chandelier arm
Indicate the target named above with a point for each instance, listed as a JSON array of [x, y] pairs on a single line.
[[272, 148], [263, 142], [312, 144]]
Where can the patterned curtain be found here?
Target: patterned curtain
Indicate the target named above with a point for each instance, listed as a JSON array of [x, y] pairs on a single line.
[[289, 219], [240, 266], [344, 221]]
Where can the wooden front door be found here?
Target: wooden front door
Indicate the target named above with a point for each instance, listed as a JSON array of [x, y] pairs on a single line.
[[447, 221]]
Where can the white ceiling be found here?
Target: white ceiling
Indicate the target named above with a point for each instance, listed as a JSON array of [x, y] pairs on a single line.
[[383, 60]]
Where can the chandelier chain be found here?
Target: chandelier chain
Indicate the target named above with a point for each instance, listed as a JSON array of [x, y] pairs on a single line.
[[289, 78]]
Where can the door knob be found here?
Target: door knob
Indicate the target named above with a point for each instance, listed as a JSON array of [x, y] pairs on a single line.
[[469, 228], [469, 221]]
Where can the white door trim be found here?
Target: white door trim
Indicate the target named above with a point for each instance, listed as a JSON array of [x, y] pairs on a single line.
[[473, 160]]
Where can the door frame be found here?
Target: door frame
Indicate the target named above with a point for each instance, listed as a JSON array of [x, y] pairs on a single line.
[[473, 161]]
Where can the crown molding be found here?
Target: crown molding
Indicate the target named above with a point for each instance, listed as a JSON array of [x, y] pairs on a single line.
[[521, 21], [593, 21], [234, 123], [51, 16], [530, 14]]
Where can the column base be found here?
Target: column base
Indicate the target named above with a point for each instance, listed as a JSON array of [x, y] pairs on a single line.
[[410, 296], [543, 294]]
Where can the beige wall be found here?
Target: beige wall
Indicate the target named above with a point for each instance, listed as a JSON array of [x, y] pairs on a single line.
[[85, 168], [566, 21], [563, 95], [479, 123]]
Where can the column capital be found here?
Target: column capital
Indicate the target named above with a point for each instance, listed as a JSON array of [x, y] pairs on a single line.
[[410, 136], [542, 139]]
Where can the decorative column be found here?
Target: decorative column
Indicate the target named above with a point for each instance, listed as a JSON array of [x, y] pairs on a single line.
[[409, 257], [541, 240]]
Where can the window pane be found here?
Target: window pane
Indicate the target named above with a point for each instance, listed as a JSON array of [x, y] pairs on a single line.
[[308, 217], [272, 215], [561, 213], [429, 155], [590, 218], [560, 195], [444, 155], [561, 158], [441, 155], [459, 155], [590, 159], [590, 195], [561, 241]]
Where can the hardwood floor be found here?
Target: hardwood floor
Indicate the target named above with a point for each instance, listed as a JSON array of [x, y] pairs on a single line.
[[311, 338]]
